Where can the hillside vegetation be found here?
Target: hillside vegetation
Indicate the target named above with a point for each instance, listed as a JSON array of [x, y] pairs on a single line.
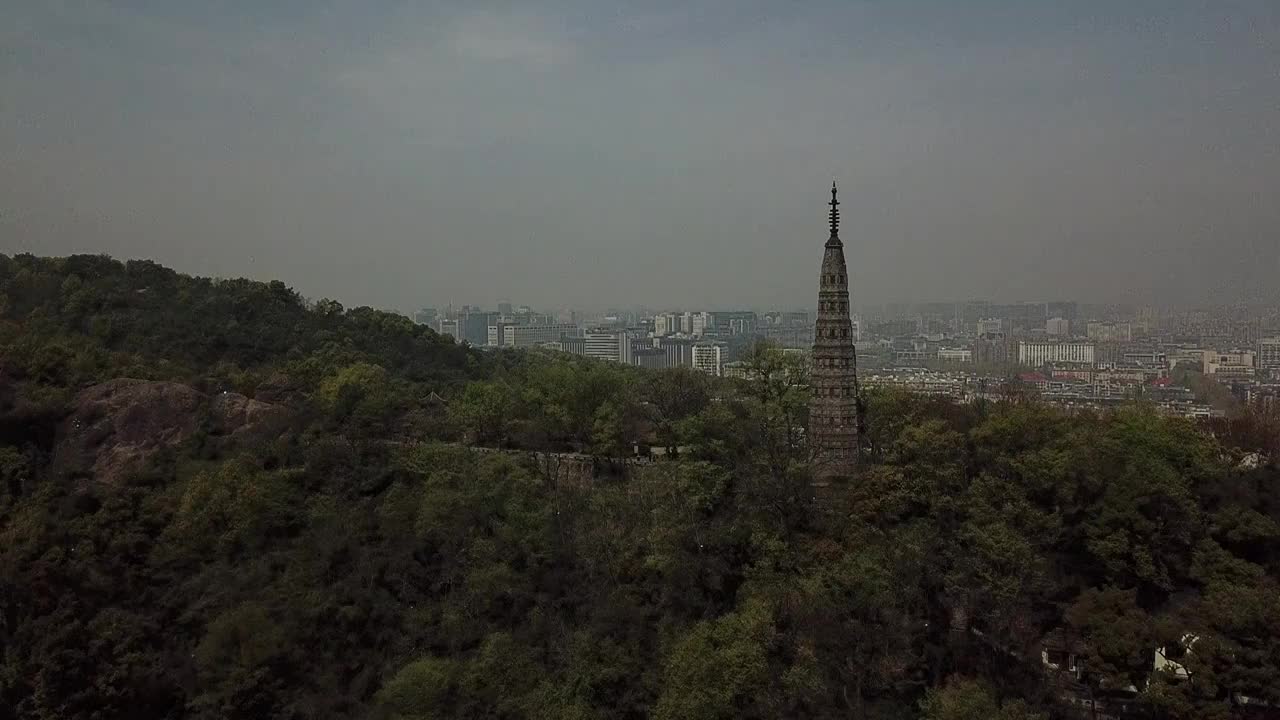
[[222, 501]]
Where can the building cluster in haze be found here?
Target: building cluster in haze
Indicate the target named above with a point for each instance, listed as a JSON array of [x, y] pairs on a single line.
[[704, 340], [1079, 355], [1066, 352]]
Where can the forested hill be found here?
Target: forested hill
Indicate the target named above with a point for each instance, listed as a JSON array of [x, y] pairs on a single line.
[[77, 320], [221, 501]]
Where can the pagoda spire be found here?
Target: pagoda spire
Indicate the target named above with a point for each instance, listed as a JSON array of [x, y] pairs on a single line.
[[833, 376], [835, 213]]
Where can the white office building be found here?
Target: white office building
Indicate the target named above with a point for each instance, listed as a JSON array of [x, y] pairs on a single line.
[[532, 335], [959, 355], [607, 345], [1229, 364]]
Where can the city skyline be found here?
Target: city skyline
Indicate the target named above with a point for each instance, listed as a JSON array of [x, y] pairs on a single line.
[[647, 309]]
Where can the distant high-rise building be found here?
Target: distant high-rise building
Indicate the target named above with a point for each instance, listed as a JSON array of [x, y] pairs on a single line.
[[990, 326], [473, 326], [530, 335], [1109, 331], [698, 324], [1068, 311], [426, 316], [496, 333], [673, 324], [573, 345], [709, 358], [733, 322], [504, 308], [652, 357], [1269, 353], [1057, 326], [789, 336], [788, 318], [833, 409], [679, 351], [973, 311], [1022, 316], [1036, 354], [992, 349], [612, 345]]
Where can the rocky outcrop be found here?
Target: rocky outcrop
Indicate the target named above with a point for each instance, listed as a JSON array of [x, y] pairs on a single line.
[[1252, 461], [115, 427], [234, 414], [279, 389]]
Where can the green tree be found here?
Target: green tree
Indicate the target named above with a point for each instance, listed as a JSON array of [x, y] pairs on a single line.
[[421, 690], [485, 412], [675, 395], [967, 699], [720, 669], [1119, 637]]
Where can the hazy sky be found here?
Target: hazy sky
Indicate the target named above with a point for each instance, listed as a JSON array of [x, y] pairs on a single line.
[[594, 153]]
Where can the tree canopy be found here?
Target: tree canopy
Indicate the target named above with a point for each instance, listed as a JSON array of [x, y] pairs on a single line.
[[365, 519]]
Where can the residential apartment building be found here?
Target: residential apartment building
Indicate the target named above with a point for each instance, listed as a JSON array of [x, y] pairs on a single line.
[[708, 358], [1269, 353], [666, 324]]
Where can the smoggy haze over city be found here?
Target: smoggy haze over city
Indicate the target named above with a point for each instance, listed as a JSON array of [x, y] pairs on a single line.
[[666, 154]]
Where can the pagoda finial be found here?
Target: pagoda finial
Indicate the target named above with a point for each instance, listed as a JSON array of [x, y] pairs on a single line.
[[835, 214]]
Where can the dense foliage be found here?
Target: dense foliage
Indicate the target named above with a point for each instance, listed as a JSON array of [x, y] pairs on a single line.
[[358, 559]]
